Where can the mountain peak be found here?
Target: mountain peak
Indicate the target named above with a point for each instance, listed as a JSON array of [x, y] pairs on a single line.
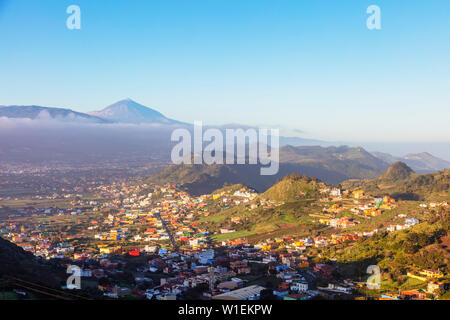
[[398, 171], [130, 102], [130, 111]]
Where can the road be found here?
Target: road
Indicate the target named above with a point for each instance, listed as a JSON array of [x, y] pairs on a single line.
[[171, 237]]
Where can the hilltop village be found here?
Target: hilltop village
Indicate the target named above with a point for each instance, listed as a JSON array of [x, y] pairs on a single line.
[[143, 241]]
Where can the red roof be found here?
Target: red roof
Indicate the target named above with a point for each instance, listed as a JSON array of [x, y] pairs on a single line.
[[134, 253]]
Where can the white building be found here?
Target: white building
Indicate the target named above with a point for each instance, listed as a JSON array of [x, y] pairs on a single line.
[[299, 286], [205, 256]]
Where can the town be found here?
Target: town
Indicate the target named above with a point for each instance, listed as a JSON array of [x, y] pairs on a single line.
[[142, 241]]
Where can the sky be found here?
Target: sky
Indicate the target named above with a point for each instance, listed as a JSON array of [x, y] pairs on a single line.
[[311, 68]]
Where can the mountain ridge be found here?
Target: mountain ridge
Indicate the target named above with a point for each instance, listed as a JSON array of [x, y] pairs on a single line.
[[321, 163], [34, 112], [314, 156], [422, 162]]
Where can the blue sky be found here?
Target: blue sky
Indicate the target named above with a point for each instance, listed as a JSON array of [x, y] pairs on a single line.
[[309, 67]]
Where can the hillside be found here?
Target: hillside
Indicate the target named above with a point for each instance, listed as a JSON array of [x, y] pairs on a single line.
[[397, 171], [202, 179], [316, 153], [331, 165], [402, 182], [294, 187], [423, 246], [16, 262]]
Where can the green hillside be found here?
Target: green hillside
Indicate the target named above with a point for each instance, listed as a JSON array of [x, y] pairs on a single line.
[[423, 246], [402, 182], [294, 187]]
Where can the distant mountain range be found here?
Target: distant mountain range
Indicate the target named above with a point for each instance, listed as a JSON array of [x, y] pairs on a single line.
[[420, 162], [332, 165], [124, 111], [297, 155], [46, 113]]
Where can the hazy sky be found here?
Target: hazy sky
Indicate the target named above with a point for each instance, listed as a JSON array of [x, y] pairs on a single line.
[[307, 65]]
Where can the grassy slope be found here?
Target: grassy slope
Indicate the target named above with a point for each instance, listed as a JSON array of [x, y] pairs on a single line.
[[419, 247], [431, 186]]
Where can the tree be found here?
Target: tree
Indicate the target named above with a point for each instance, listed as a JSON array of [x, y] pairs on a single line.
[[267, 294]]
